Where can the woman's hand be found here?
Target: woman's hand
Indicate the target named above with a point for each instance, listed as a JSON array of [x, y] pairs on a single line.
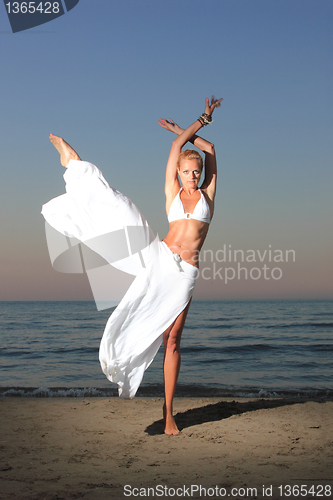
[[170, 125], [215, 103]]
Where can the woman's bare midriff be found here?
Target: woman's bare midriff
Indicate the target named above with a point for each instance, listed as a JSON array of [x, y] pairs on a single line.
[[186, 237]]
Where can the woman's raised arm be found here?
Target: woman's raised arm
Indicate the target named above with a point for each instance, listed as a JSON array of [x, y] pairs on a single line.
[[189, 135], [199, 142], [172, 185]]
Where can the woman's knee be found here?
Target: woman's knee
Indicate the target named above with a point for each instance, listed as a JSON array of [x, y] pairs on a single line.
[[173, 340]]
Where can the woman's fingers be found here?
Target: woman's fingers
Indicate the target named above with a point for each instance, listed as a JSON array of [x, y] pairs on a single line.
[[161, 122], [167, 124], [214, 103], [218, 102]]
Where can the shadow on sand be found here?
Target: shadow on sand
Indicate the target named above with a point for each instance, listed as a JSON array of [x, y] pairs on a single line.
[[219, 411]]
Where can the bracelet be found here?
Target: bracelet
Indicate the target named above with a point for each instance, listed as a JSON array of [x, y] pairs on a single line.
[[205, 119]]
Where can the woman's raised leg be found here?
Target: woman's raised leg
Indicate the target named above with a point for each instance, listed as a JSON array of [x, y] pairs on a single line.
[[66, 151], [171, 366]]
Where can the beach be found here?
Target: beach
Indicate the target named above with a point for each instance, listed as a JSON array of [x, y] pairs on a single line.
[[101, 448]]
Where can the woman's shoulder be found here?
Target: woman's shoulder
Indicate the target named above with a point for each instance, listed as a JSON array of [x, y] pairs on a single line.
[[171, 190], [208, 199], [170, 196]]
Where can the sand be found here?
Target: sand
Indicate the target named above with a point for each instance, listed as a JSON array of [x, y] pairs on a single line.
[[67, 448]]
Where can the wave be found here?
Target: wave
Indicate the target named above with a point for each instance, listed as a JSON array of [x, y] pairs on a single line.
[[242, 349], [186, 391], [64, 350], [297, 325], [219, 324], [234, 318]]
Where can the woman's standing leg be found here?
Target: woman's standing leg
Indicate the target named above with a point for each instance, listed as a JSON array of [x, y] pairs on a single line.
[[171, 366]]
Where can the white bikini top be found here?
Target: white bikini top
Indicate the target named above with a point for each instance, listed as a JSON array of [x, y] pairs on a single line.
[[201, 210]]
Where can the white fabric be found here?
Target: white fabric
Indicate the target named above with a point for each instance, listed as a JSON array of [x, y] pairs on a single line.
[[160, 292]]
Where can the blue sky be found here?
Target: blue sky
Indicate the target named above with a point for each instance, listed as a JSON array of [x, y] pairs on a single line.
[[102, 75]]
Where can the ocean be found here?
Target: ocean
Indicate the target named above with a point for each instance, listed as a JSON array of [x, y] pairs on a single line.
[[272, 348]]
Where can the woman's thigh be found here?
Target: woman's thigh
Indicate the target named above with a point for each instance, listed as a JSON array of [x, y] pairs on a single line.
[[174, 332]]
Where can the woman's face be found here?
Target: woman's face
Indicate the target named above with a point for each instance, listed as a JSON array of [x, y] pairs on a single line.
[[189, 173]]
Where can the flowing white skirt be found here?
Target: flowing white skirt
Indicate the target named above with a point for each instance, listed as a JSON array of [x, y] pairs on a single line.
[[97, 221]]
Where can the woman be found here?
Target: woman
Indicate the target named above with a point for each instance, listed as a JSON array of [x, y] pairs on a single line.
[[156, 304]]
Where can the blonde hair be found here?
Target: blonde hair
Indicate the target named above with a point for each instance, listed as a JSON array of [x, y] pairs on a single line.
[[190, 154]]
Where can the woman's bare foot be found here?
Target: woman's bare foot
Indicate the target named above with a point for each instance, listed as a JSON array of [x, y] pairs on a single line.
[[66, 151], [170, 425]]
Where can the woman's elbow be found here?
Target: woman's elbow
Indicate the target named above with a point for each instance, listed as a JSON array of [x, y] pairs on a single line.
[[210, 149], [176, 147]]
